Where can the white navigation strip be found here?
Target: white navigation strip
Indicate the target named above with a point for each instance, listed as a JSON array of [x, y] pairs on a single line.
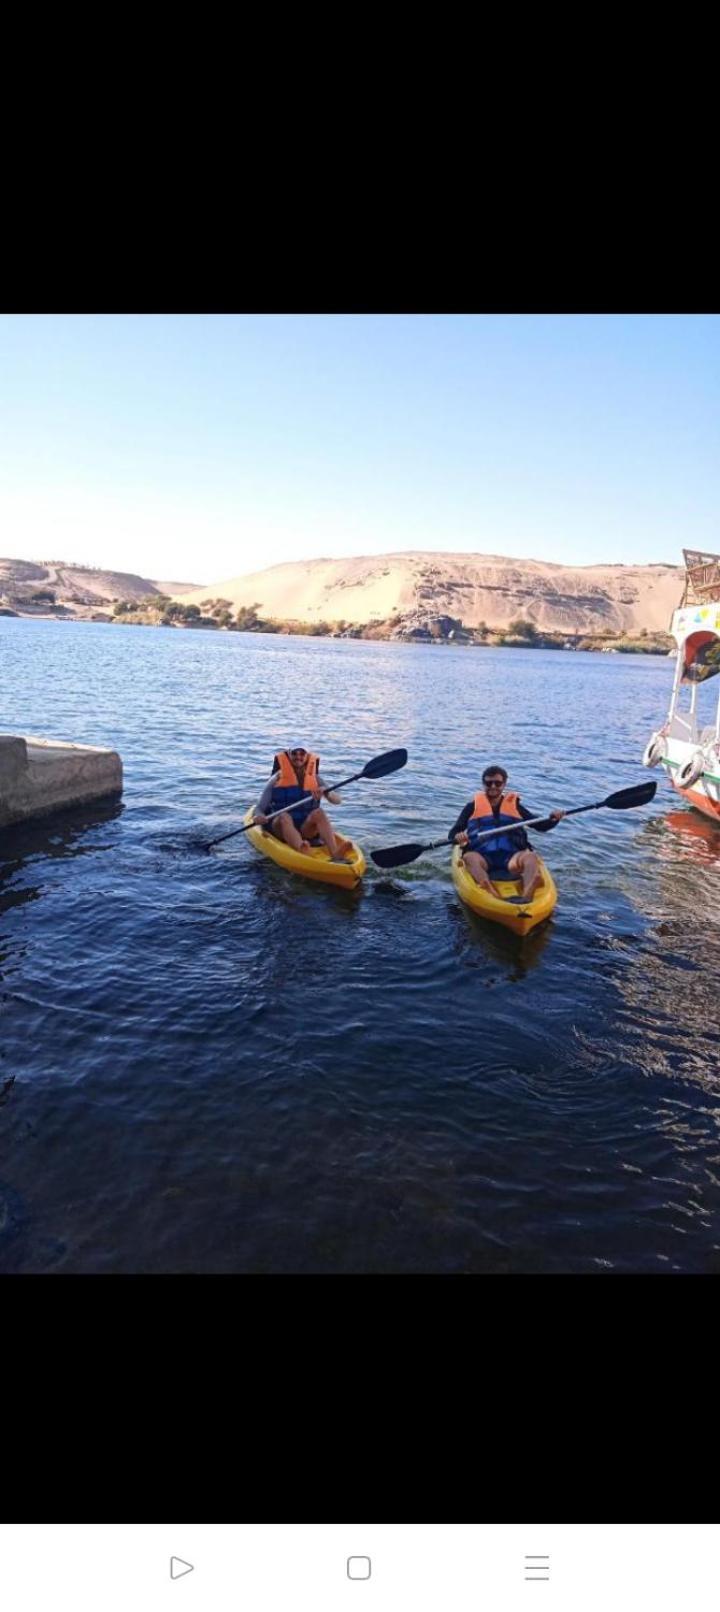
[[333, 1567]]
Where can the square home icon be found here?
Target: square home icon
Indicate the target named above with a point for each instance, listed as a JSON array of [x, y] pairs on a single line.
[[358, 1567]]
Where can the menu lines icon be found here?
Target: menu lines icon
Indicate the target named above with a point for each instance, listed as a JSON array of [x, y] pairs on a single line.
[[537, 1569]]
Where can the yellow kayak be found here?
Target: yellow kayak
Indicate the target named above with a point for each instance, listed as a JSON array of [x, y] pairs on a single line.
[[313, 865], [521, 919]]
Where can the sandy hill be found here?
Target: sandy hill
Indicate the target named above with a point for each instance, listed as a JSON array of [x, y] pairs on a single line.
[[76, 590], [472, 587]]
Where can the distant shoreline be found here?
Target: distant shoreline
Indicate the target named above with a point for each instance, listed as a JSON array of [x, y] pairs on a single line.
[[587, 643]]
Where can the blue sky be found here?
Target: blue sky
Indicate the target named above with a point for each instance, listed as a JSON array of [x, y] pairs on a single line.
[[199, 447]]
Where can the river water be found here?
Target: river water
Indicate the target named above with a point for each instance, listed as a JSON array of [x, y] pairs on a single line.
[[221, 1068]]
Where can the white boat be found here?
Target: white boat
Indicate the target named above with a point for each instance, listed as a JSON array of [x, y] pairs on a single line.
[[689, 751]]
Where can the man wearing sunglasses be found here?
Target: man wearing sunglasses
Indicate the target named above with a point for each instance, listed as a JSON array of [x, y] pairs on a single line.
[[296, 775], [506, 856]]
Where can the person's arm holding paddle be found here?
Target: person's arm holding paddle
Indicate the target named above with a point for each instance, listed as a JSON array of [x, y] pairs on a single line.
[[622, 800], [379, 767], [457, 835], [551, 821], [263, 805], [330, 794]]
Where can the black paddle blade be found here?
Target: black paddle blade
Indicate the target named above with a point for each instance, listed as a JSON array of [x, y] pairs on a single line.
[[639, 796], [391, 761], [394, 855]]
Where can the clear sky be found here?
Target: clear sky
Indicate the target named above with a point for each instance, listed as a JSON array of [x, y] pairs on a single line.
[[198, 447]]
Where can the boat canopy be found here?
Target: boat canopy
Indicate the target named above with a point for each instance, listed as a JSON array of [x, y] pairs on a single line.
[[696, 630], [701, 657]]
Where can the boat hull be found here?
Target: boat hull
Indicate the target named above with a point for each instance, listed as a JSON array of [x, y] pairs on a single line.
[[704, 793], [697, 797]]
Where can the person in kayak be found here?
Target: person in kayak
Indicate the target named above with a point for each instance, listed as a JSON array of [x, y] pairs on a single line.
[[297, 775], [506, 856]]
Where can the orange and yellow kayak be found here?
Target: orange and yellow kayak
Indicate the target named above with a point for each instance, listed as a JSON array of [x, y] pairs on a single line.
[[315, 864], [520, 918]]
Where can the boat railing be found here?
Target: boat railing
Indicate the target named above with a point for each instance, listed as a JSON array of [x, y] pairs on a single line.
[[702, 577], [680, 721]]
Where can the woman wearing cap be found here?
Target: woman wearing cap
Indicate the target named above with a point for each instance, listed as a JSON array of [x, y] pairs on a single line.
[[296, 776]]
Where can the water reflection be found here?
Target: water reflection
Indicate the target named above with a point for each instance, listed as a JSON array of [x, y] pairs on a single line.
[[54, 836], [670, 1025], [517, 955], [63, 836], [698, 837]]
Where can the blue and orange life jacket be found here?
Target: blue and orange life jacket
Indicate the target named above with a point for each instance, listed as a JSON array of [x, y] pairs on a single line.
[[287, 790], [483, 817]]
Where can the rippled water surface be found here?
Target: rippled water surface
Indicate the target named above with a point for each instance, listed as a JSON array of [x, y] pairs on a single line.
[[219, 1067]]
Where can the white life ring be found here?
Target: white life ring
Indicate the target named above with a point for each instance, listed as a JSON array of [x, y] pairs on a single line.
[[691, 770], [654, 750], [712, 767]]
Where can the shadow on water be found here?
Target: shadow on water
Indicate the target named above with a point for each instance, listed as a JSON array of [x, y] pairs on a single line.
[[60, 836], [517, 955], [296, 892], [18, 1241], [55, 836]]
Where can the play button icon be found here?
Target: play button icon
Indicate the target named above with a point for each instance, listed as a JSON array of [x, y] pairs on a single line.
[[178, 1568]]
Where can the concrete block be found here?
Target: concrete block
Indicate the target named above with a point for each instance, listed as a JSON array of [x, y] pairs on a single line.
[[41, 776]]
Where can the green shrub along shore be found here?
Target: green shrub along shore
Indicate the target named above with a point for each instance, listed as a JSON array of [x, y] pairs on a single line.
[[217, 614]]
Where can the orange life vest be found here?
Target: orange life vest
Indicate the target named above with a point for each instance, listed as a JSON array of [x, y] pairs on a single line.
[[286, 789], [289, 779], [508, 807], [483, 817]]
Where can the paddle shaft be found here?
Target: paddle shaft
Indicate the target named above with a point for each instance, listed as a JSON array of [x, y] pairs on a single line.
[[508, 828], [621, 800], [304, 802], [531, 822]]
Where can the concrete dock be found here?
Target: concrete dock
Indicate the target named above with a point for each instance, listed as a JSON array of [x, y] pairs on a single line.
[[41, 776]]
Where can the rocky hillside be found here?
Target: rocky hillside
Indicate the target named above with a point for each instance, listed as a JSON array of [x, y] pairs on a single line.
[[473, 588], [55, 588]]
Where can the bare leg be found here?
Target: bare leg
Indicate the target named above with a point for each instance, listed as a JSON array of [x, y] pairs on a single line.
[[319, 823], [478, 869], [525, 865], [284, 828]]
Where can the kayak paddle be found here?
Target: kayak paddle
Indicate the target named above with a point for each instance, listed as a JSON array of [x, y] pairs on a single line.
[[395, 855], [389, 761]]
